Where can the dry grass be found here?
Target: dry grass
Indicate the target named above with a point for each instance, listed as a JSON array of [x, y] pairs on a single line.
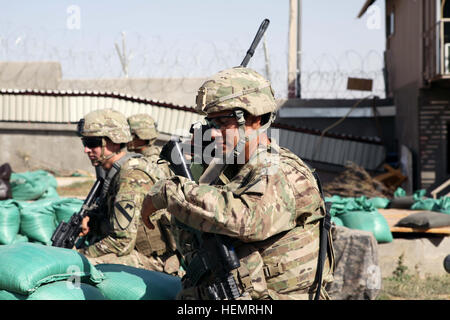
[[404, 286], [78, 189], [414, 288]]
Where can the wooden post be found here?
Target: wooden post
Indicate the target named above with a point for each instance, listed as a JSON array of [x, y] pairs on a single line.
[[292, 54]]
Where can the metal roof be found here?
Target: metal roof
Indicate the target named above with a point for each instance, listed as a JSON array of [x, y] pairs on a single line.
[[69, 106]]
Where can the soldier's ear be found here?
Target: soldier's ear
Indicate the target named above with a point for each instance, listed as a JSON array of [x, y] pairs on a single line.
[[253, 121], [113, 147]]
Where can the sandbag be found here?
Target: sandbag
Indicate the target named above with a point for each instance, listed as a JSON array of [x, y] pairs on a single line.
[[425, 219], [128, 283], [31, 185], [20, 238], [25, 267], [427, 204], [359, 213], [337, 221], [37, 220], [444, 205], [5, 185], [379, 202], [402, 202], [64, 290], [66, 207], [7, 295], [9, 221], [399, 192], [50, 193], [60, 290], [371, 221]]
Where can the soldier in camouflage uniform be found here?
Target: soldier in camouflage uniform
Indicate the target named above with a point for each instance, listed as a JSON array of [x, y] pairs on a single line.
[[269, 205], [111, 231], [158, 244]]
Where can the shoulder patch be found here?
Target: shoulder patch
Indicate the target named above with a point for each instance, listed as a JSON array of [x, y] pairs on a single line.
[[124, 213]]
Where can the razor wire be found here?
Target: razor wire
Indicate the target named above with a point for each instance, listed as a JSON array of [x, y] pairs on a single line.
[[323, 76]]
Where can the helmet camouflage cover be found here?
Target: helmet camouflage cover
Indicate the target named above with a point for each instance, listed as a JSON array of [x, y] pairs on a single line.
[[106, 123], [236, 88], [143, 125]]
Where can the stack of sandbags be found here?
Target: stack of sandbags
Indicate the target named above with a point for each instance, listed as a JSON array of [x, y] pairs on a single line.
[[361, 214], [9, 221], [33, 185], [35, 271], [37, 220], [34, 221]]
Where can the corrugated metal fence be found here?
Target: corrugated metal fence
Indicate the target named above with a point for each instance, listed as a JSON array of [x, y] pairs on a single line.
[[69, 107]]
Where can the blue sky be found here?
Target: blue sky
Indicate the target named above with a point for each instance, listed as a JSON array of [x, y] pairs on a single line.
[[177, 38]]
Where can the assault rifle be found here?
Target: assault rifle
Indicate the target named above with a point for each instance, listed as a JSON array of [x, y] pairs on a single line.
[[67, 233], [216, 254]]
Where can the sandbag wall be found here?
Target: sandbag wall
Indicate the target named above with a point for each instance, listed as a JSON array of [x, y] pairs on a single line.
[[362, 212], [32, 271]]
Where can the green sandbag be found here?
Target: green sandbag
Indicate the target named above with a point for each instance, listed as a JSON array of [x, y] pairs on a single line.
[[371, 221], [337, 221], [66, 207], [31, 185], [444, 205], [60, 290], [128, 283], [37, 220], [20, 238], [7, 295], [427, 204], [379, 202], [399, 192], [9, 221], [50, 193], [359, 213], [66, 290], [26, 266]]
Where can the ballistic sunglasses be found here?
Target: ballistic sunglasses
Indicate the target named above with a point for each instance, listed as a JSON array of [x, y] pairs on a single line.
[[92, 142]]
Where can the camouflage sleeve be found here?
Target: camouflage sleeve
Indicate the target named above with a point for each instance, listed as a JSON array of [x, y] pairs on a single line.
[[133, 186], [264, 207]]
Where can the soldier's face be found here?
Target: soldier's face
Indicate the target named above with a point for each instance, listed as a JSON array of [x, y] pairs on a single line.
[[226, 131], [93, 148], [136, 144]]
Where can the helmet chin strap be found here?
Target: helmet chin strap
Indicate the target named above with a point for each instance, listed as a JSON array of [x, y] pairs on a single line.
[[243, 138]]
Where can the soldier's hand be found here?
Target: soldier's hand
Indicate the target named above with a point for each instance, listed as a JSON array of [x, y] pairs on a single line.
[[84, 226], [147, 209]]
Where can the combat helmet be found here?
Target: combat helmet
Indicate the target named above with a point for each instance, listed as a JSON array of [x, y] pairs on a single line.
[[240, 90], [143, 126], [236, 88], [105, 123]]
